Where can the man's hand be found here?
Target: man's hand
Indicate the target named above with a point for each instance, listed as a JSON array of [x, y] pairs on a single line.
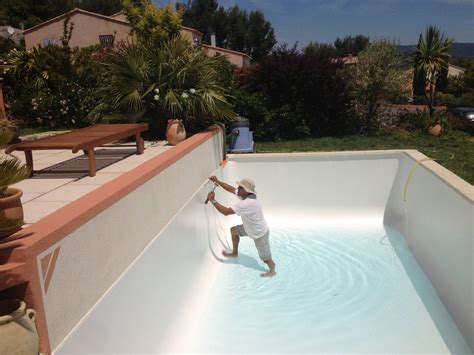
[[214, 179], [210, 196]]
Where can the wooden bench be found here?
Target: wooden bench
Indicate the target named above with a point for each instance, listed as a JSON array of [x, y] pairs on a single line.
[[85, 139]]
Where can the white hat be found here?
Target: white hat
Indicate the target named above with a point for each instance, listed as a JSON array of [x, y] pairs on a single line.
[[248, 185]]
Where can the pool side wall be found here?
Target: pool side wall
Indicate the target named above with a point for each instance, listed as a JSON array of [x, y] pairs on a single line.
[[437, 221], [74, 255]]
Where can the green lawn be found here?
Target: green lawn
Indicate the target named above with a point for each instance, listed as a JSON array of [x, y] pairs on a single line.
[[455, 150]]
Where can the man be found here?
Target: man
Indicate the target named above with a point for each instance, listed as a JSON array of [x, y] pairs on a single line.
[[253, 222]]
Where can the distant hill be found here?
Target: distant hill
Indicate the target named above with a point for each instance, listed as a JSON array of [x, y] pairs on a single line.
[[459, 50]]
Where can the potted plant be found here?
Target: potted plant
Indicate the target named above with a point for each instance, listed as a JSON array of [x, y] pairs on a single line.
[[11, 172]]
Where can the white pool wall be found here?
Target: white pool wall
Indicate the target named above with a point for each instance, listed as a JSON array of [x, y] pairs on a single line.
[[92, 257], [437, 220], [328, 185], [148, 307]]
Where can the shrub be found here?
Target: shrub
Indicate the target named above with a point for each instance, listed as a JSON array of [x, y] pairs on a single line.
[[155, 84], [52, 86], [414, 121], [379, 77], [304, 94]]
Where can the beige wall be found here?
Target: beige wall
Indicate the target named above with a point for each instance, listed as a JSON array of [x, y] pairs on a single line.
[[192, 36], [86, 31], [235, 58], [455, 71], [121, 16]]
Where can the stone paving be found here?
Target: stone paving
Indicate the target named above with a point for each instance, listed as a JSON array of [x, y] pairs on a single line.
[[42, 196]]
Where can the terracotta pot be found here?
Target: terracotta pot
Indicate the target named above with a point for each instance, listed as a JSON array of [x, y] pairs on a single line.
[[18, 334], [175, 132], [11, 208], [435, 129]]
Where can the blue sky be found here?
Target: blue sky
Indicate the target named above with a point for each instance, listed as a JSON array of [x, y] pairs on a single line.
[[325, 20]]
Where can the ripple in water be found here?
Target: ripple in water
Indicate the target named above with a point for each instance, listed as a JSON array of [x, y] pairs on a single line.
[[337, 290]]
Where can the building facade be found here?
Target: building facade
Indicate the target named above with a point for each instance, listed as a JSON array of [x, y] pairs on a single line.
[[91, 29]]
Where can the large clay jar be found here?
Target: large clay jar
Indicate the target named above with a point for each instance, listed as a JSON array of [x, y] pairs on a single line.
[[435, 129], [18, 334], [175, 132], [11, 208]]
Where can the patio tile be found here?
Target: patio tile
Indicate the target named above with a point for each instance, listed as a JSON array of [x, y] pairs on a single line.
[[67, 193], [41, 185], [120, 167], [100, 179], [35, 210], [28, 197]]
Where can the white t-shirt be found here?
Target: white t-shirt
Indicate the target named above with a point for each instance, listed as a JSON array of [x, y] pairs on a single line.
[[252, 217]]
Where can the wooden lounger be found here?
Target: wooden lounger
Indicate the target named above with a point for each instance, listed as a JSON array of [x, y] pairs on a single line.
[[85, 139]]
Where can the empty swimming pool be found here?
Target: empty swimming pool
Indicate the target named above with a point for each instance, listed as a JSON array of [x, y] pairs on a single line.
[[347, 279]]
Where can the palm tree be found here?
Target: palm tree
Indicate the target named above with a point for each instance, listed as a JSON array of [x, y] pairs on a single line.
[[431, 57], [174, 80]]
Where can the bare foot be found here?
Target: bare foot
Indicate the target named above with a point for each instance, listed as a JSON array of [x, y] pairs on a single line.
[[268, 274], [229, 255]]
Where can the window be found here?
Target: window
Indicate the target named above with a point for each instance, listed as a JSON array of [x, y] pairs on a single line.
[[105, 40], [48, 41]]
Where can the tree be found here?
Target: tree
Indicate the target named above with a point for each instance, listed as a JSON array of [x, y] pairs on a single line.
[[150, 23], [291, 94], [237, 24], [320, 49], [234, 28], [28, 13], [260, 36], [431, 58], [199, 14], [379, 77], [351, 45], [104, 7]]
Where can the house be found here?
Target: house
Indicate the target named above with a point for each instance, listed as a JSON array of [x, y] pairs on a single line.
[[241, 60], [90, 28], [455, 71]]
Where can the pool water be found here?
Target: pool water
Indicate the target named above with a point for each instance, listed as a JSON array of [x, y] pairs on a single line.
[[339, 288]]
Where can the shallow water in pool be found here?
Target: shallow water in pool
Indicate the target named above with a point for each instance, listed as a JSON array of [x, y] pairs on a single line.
[[338, 288]]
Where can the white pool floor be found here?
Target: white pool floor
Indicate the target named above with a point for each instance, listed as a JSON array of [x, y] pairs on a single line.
[[339, 289]]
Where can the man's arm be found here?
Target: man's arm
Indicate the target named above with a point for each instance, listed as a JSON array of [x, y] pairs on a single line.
[[222, 209], [222, 184]]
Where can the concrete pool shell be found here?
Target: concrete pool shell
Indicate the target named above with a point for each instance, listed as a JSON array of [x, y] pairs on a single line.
[[75, 256]]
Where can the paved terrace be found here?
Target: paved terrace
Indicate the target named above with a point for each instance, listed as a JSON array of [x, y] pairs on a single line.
[[44, 195]]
